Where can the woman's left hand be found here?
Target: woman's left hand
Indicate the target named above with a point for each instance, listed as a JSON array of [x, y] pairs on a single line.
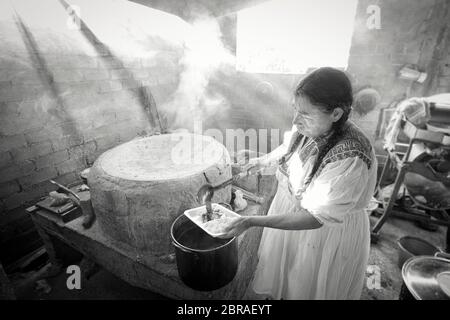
[[235, 228]]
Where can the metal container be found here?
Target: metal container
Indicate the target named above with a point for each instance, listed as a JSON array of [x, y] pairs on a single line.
[[204, 263], [421, 276], [412, 246]]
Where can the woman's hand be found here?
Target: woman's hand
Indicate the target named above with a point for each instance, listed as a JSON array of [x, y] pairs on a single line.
[[253, 166], [236, 227]]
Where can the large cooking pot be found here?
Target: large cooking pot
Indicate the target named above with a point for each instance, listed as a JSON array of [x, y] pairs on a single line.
[[204, 263]]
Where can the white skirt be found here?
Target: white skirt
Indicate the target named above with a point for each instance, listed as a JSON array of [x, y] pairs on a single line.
[[325, 263]]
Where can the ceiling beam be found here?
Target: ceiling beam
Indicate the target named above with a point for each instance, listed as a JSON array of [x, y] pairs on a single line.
[[189, 9]]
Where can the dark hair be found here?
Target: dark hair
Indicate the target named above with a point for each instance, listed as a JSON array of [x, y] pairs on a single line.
[[328, 89]]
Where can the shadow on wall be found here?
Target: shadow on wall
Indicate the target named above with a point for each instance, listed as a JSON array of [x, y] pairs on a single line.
[[61, 105], [65, 98], [46, 77], [143, 93], [257, 101]]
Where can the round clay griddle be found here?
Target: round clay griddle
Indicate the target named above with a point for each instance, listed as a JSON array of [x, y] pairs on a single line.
[[420, 275], [139, 188], [162, 157]]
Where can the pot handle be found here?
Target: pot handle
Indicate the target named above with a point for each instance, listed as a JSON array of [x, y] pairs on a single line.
[[442, 255]]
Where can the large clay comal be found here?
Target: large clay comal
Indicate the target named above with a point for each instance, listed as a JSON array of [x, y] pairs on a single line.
[[140, 187]]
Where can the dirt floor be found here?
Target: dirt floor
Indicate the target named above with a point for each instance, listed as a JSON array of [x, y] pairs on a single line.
[[383, 258]]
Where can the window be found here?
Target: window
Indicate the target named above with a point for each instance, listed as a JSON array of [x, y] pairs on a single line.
[[291, 36]]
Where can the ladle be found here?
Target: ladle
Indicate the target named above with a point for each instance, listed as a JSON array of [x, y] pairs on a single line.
[[206, 192]]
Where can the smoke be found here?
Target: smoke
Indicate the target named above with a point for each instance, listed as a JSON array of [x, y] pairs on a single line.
[[204, 55]]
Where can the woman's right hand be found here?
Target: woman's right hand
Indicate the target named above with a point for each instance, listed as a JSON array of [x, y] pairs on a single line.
[[236, 227]]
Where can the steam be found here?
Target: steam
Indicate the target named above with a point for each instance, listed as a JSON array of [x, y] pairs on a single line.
[[204, 55]]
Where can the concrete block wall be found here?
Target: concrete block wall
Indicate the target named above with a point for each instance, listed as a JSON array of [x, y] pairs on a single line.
[[411, 32], [444, 74]]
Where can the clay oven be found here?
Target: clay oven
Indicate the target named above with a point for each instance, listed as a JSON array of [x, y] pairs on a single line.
[[140, 187]]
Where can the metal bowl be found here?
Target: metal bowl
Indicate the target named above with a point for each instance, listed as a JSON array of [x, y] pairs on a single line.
[[420, 275]]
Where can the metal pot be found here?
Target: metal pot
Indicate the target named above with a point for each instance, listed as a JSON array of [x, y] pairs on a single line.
[[412, 246], [204, 263]]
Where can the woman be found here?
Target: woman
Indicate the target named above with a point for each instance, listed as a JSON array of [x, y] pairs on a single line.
[[316, 238]]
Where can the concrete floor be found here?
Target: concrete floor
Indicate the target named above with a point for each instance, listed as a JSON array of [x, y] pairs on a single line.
[[101, 286], [384, 254]]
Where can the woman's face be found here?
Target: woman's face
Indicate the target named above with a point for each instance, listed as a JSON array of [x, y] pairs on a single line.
[[310, 120]]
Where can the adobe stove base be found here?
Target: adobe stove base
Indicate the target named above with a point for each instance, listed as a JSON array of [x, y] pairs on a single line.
[[155, 273], [138, 188]]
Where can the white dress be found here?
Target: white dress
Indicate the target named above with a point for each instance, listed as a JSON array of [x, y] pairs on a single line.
[[328, 262]]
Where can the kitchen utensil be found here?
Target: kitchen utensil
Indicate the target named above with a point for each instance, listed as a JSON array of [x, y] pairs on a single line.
[[207, 188], [248, 195], [47, 205], [206, 192], [195, 215], [65, 189]]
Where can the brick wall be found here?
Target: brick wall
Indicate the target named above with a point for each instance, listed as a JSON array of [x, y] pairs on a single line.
[[64, 100], [66, 96], [43, 136]]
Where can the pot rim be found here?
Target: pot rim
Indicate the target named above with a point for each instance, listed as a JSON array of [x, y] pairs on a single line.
[[400, 244], [195, 250]]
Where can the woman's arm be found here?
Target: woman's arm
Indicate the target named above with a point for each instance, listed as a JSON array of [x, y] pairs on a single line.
[[301, 220], [266, 164], [271, 159]]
